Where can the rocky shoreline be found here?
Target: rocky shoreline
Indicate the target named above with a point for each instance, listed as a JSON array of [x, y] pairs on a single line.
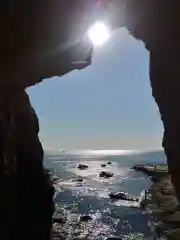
[[161, 203]]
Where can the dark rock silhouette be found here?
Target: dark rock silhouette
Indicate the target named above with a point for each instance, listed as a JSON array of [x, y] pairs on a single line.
[[121, 196], [29, 53], [78, 180], [155, 23], [29, 184], [30, 56], [118, 195], [85, 218], [109, 163], [106, 174], [141, 168], [82, 166], [103, 165]]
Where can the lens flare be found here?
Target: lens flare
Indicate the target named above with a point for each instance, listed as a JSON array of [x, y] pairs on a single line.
[[99, 33]]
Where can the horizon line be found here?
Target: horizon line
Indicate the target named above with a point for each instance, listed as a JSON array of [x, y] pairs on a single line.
[[102, 151]]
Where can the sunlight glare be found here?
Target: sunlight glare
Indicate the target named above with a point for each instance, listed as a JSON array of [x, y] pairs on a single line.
[[99, 33]]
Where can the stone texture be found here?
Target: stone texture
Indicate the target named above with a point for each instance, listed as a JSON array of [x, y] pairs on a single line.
[[155, 23], [42, 30]]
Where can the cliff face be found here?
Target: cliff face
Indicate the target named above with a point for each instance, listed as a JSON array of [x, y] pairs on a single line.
[[43, 28], [155, 23], [31, 33]]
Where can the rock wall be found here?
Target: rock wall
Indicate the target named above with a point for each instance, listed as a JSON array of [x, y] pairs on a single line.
[[155, 23]]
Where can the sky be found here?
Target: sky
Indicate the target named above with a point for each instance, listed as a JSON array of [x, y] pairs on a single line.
[[108, 105]]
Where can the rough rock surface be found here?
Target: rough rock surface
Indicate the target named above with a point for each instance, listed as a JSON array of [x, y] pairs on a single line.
[[85, 218], [119, 195], [29, 52], [103, 165], [106, 174], [80, 180], [82, 166], [155, 23], [162, 40]]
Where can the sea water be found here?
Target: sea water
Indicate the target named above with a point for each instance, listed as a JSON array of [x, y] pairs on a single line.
[[120, 218]]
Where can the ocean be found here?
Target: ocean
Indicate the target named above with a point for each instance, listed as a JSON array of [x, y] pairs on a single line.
[[121, 219]]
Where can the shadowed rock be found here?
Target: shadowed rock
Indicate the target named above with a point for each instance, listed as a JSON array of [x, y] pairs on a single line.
[[118, 195], [85, 218], [32, 56], [121, 196], [155, 23], [106, 174], [109, 163], [82, 166], [78, 180], [103, 165]]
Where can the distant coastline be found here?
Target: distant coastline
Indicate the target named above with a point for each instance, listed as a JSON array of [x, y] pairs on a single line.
[[103, 151]]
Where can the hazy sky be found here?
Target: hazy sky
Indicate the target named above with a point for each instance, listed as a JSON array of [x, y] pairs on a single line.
[[105, 106]]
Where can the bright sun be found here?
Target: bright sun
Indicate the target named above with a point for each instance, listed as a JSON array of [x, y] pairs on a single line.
[[99, 33]]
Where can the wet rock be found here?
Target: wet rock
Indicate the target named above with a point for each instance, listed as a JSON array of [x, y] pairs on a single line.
[[109, 163], [78, 180], [140, 167], [118, 195], [103, 165], [122, 196], [106, 174], [82, 166], [58, 219], [85, 218]]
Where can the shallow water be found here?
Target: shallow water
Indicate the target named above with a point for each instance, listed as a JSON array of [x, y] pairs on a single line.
[[109, 218]]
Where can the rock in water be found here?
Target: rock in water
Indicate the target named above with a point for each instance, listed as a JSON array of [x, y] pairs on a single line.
[[85, 218], [103, 165], [119, 195], [82, 167], [106, 174], [122, 196], [109, 163], [78, 180]]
